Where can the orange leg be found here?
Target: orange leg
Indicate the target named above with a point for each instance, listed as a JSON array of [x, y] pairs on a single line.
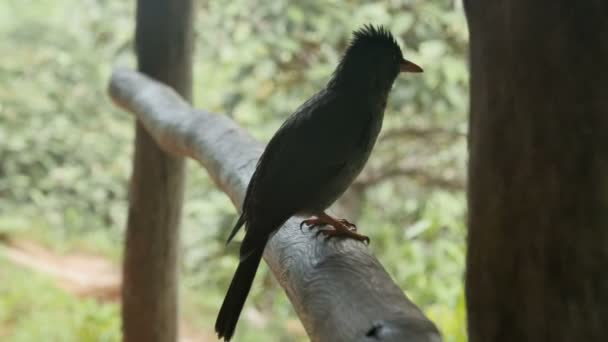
[[351, 226], [316, 222], [341, 227]]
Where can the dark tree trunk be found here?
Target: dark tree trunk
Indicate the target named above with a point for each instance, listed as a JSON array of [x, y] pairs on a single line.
[[537, 266], [164, 44]]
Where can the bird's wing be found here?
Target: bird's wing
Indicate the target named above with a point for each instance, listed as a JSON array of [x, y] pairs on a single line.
[[308, 151]]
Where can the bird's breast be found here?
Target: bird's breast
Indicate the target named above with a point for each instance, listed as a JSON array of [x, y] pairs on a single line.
[[373, 119]]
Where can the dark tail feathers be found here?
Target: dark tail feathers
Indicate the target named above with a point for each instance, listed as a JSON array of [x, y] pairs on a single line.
[[237, 294]]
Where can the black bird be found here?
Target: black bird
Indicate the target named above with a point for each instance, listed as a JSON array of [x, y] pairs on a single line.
[[315, 155]]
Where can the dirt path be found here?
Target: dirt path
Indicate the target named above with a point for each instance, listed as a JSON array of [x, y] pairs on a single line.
[[83, 275]]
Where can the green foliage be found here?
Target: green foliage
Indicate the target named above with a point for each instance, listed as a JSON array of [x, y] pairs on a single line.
[[33, 309], [452, 322], [65, 148]]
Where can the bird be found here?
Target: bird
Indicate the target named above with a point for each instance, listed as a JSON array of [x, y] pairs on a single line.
[[314, 157]]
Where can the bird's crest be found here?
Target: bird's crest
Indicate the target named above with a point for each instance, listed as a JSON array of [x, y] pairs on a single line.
[[367, 42], [370, 35]]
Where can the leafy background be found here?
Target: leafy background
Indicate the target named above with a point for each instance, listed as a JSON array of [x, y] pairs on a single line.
[[65, 151]]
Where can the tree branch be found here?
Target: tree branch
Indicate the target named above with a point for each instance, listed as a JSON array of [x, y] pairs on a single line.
[[420, 133], [338, 288], [414, 172]]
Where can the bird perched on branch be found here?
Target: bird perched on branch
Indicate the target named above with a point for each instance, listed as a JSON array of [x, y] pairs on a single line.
[[315, 155]]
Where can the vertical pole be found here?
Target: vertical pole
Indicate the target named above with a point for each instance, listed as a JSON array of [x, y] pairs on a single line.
[[150, 284]]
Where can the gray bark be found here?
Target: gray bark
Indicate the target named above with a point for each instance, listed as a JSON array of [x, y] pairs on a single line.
[[338, 288]]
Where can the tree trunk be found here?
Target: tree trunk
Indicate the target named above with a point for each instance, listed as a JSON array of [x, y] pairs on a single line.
[[149, 311], [538, 171]]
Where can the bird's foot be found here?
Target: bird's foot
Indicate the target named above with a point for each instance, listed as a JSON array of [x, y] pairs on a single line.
[[341, 227], [317, 222], [343, 232], [351, 226]]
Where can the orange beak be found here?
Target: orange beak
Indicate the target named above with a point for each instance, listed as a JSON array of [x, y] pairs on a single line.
[[407, 66]]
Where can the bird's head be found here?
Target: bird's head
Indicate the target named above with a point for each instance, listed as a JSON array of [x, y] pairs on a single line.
[[372, 60]]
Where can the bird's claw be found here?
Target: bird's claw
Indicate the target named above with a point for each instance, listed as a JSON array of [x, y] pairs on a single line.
[[330, 233], [311, 223], [351, 226], [341, 227], [317, 222]]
